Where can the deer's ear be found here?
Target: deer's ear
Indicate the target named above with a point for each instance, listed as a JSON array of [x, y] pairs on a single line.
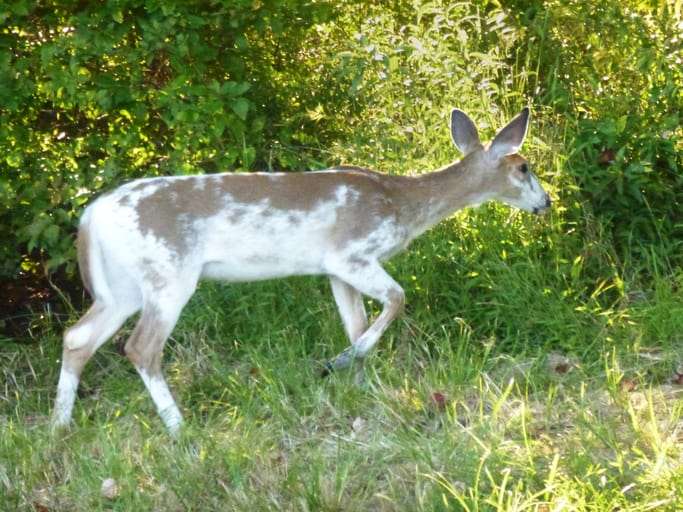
[[510, 139], [463, 132]]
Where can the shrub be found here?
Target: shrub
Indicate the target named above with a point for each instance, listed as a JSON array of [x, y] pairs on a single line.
[[93, 94], [613, 71]]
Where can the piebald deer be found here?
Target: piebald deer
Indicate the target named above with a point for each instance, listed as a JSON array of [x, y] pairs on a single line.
[[144, 246]]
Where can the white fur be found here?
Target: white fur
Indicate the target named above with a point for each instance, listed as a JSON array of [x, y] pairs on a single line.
[[263, 244], [66, 395], [532, 194], [351, 308], [78, 336], [278, 246], [166, 406]]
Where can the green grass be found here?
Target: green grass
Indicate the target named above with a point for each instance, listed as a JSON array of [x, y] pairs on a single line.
[[601, 430]]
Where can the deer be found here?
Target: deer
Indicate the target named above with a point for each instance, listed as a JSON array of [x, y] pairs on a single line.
[[143, 247]]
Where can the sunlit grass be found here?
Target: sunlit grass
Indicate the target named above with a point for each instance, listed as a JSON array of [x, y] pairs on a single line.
[[512, 430]]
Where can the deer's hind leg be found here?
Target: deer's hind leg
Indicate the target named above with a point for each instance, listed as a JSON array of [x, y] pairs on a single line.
[[145, 346], [351, 309], [81, 341]]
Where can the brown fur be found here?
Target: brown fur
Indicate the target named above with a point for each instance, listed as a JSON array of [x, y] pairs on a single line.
[[83, 252], [145, 346], [159, 212]]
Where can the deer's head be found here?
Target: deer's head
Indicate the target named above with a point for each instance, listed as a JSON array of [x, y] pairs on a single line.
[[504, 173]]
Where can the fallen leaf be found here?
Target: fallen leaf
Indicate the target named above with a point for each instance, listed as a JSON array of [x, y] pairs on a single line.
[[606, 156], [677, 377], [627, 385], [42, 500], [439, 400]]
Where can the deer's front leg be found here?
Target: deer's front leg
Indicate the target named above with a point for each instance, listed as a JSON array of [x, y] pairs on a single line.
[[370, 279]]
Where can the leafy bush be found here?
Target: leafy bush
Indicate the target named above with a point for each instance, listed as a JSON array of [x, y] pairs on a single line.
[[410, 65], [93, 94], [613, 71]]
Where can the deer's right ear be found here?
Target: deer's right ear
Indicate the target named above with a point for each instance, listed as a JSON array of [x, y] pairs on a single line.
[[463, 132]]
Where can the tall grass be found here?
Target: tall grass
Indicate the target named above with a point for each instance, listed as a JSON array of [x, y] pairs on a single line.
[[535, 368]]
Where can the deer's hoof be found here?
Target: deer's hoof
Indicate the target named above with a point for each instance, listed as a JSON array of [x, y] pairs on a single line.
[[328, 368]]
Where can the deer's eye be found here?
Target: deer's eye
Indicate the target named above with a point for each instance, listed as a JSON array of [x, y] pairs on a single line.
[[524, 168]]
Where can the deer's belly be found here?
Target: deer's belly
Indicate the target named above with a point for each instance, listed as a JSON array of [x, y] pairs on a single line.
[[247, 255]]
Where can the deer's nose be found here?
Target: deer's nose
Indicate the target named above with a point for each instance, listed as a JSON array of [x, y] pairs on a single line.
[[548, 202]]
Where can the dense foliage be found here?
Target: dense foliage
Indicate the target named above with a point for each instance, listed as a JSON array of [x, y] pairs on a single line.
[[92, 94], [614, 72]]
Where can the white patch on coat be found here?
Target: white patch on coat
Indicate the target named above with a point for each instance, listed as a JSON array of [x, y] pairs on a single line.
[[383, 242], [123, 246], [264, 242]]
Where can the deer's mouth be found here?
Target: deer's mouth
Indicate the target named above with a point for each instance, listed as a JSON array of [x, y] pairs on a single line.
[[542, 209]]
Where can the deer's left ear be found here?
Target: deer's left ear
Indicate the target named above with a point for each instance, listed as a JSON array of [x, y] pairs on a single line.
[[463, 132], [510, 139]]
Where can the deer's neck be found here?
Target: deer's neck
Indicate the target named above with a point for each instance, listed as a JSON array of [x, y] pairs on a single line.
[[434, 196]]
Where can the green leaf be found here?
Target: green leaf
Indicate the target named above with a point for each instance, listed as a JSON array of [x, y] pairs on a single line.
[[51, 234], [234, 88], [218, 127], [37, 226], [620, 125], [248, 156], [240, 106], [13, 159]]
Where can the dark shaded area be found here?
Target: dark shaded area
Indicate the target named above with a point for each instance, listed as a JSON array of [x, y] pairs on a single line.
[[32, 298]]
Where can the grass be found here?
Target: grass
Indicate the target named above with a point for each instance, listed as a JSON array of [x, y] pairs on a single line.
[[549, 403]]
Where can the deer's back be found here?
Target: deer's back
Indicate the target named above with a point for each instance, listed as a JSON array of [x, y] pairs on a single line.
[[246, 226]]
